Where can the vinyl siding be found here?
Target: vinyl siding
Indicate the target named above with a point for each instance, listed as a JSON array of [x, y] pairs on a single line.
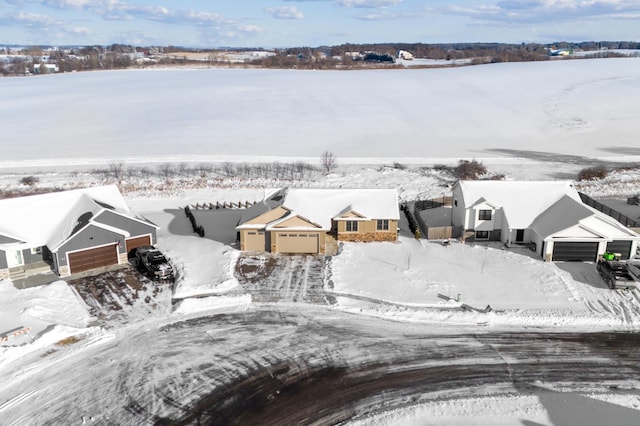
[[134, 227], [3, 260], [91, 236], [31, 258]]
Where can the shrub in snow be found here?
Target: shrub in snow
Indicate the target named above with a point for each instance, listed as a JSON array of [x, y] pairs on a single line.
[[469, 170], [29, 180], [593, 173]]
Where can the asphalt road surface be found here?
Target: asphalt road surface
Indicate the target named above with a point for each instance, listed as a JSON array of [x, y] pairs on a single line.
[[299, 364]]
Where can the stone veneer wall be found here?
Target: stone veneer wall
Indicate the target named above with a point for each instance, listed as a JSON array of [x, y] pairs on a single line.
[[366, 236]]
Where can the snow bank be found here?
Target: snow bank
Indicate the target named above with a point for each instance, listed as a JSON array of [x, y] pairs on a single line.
[[482, 284], [212, 304], [40, 308]]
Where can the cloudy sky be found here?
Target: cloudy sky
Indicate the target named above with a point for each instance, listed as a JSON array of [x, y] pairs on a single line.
[[281, 23]]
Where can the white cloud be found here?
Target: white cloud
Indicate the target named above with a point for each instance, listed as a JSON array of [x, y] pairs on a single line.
[[79, 30], [285, 12], [547, 10], [27, 19], [368, 3], [75, 3]]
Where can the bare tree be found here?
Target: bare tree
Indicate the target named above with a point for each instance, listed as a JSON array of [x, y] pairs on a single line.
[[116, 168], [328, 162], [166, 170], [228, 170]]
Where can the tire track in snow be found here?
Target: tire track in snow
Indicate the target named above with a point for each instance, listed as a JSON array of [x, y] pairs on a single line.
[[288, 279]]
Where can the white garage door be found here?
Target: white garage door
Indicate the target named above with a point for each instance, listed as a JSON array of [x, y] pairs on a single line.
[[298, 243]]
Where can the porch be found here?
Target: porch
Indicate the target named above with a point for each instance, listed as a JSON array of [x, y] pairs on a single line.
[[32, 274]]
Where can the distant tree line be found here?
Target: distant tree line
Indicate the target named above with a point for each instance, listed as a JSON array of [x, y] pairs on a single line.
[[117, 171], [117, 56]]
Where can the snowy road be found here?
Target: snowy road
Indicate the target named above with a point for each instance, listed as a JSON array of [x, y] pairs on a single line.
[[301, 364]]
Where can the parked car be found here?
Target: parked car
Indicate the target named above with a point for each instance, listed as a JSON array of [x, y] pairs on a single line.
[[151, 260], [616, 274]]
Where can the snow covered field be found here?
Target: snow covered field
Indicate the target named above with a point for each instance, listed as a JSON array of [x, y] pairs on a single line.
[[580, 113], [573, 108]]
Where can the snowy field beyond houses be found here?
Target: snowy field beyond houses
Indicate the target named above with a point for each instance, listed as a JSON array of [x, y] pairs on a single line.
[[573, 108], [527, 121]]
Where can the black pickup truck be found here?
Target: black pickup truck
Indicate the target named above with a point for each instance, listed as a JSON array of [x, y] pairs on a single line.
[[151, 260]]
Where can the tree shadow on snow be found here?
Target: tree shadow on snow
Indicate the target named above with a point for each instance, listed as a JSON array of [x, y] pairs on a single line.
[[218, 224], [577, 160]]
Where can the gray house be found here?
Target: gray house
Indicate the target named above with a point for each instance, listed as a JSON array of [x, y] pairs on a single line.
[[69, 232]]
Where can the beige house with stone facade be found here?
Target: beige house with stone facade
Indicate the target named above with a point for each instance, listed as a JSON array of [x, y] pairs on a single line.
[[312, 221]]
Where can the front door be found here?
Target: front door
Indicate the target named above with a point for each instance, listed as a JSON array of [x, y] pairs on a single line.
[[14, 258], [519, 235]]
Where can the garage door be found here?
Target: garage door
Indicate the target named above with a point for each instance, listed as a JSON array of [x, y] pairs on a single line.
[[297, 243], [620, 246], [135, 242], [575, 251], [93, 258], [254, 240]]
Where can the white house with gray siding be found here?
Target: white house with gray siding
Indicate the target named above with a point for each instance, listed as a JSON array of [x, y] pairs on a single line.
[[549, 216], [69, 232]]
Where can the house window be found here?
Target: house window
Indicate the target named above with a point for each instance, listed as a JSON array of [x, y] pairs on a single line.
[[352, 225], [484, 215], [36, 250], [482, 235], [382, 225]]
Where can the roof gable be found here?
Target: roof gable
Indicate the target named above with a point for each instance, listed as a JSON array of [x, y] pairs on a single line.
[[484, 203], [79, 232], [100, 217], [269, 216], [294, 222], [577, 231], [350, 214]]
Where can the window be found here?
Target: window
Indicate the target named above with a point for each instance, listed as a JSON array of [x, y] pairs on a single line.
[[352, 225], [382, 225], [484, 215], [482, 235], [36, 250]]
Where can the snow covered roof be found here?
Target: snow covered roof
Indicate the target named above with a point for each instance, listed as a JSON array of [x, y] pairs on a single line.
[[49, 219], [522, 201], [567, 213], [564, 213], [320, 206]]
